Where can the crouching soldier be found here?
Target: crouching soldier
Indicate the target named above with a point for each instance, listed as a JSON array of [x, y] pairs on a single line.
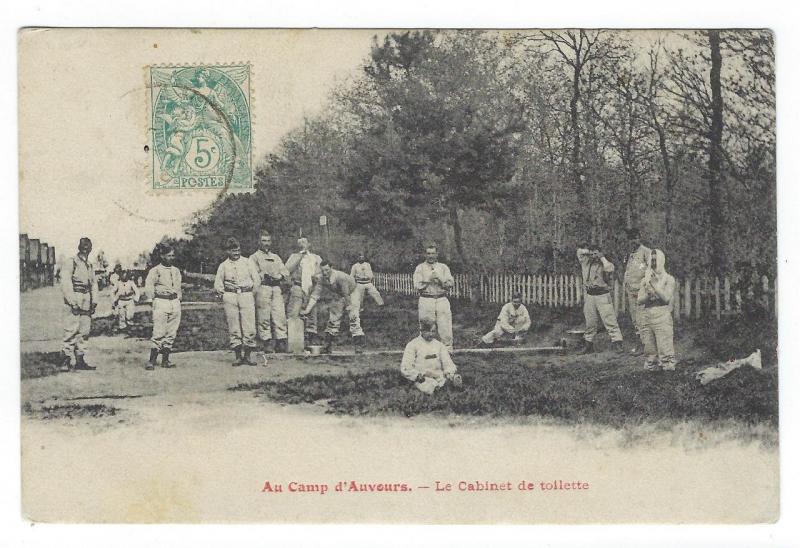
[[235, 281], [513, 321], [125, 294], [163, 287], [345, 300], [655, 294], [426, 361]]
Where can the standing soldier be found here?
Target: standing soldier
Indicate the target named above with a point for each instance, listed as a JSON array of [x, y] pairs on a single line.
[[163, 287], [124, 295], [236, 279], [634, 272], [269, 300], [655, 295], [433, 279], [115, 276], [343, 287], [79, 286], [304, 271], [597, 274], [361, 271]]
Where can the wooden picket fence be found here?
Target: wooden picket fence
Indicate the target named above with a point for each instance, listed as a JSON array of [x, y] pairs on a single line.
[[700, 297]]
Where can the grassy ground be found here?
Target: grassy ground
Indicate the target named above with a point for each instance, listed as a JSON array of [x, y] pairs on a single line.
[[600, 390], [604, 388]]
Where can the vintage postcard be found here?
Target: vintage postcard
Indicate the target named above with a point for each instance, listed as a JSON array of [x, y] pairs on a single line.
[[398, 276]]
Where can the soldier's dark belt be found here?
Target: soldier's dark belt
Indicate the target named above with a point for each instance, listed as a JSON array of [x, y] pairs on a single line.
[[363, 282], [239, 290], [433, 296], [167, 297], [271, 283], [596, 291], [80, 289], [654, 304], [125, 298]]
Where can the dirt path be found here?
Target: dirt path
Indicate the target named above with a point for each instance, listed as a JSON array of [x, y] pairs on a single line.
[[180, 446]]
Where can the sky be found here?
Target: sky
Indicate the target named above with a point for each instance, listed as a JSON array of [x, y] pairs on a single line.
[[83, 121]]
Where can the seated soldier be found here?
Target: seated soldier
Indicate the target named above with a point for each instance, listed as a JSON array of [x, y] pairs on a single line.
[[513, 322], [426, 361]]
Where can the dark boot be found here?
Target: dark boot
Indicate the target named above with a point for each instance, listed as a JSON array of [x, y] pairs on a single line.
[[328, 348], [165, 359], [246, 357], [66, 364], [238, 352], [151, 364], [270, 346], [588, 348], [616, 346], [281, 346], [359, 341], [81, 365]]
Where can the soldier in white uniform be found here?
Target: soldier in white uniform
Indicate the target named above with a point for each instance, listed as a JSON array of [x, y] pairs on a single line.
[[655, 295], [236, 279], [634, 272], [124, 295], [598, 307], [270, 311], [361, 271], [163, 287], [342, 288], [304, 271], [513, 321], [426, 361], [433, 280], [79, 287]]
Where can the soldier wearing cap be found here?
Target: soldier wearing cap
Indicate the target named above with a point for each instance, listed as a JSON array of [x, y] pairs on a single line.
[[270, 311], [236, 279], [79, 287], [124, 295], [163, 287], [635, 268], [433, 280]]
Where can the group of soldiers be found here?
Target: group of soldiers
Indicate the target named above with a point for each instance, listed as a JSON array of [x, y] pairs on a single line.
[[648, 290], [252, 291]]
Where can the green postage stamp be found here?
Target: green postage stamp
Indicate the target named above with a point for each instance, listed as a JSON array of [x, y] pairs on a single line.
[[201, 127]]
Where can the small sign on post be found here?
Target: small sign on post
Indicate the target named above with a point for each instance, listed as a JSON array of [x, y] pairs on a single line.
[[323, 220]]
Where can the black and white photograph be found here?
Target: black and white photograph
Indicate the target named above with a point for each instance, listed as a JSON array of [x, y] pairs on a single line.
[[425, 276]]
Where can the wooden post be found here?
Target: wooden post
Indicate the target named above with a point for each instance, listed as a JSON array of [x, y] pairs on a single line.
[[697, 296], [687, 297], [775, 297], [727, 294], [676, 302], [717, 302]]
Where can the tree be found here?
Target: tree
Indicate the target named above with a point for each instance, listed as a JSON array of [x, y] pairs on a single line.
[[439, 136]]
